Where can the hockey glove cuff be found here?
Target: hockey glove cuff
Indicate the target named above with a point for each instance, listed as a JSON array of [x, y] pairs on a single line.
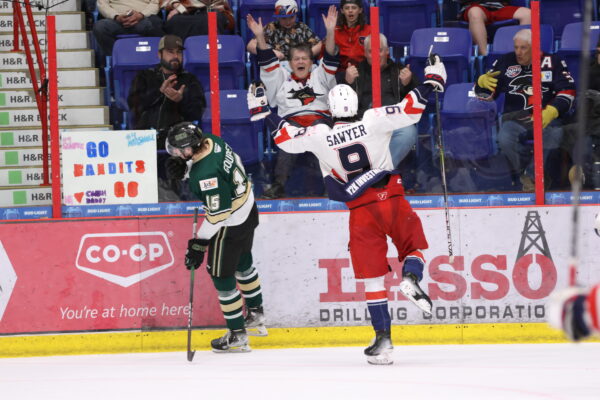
[[435, 73], [257, 101], [195, 253]]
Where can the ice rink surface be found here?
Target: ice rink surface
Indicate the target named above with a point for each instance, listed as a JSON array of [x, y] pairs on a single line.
[[528, 371]]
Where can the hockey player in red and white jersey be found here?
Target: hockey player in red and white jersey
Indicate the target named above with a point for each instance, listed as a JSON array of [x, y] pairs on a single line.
[[357, 168], [576, 312]]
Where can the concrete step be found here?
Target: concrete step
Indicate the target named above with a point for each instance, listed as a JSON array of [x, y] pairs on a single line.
[[23, 137], [30, 157], [25, 196], [84, 96], [65, 21], [83, 58], [65, 40], [53, 5], [67, 77], [10, 177], [72, 115]]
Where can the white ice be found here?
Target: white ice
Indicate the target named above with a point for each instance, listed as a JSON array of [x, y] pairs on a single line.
[[528, 371]]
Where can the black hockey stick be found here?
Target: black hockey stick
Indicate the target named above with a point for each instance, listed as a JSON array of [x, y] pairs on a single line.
[[190, 353], [440, 144], [584, 66]]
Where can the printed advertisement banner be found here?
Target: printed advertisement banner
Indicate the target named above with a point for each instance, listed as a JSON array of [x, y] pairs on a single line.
[[129, 274], [117, 167]]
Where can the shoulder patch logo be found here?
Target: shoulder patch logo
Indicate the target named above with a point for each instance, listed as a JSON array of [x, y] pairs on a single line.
[[546, 76], [217, 148], [209, 184], [513, 71]]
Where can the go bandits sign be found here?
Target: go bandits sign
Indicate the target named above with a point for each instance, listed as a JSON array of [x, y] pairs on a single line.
[[486, 288]]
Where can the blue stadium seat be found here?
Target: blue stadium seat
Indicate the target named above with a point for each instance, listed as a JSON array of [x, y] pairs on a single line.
[[559, 13], [232, 65], [503, 42], [468, 124], [258, 9], [454, 45], [570, 44], [399, 18], [129, 56], [243, 135], [316, 8]]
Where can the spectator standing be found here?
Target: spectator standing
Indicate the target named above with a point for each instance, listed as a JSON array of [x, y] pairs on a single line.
[[511, 75], [350, 33], [397, 80], [301, 95], [125, 17], [187, 18], [286, 32], [480, 13]]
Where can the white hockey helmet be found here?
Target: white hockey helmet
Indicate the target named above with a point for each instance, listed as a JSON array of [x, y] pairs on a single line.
[[285, 8], [343, 101]]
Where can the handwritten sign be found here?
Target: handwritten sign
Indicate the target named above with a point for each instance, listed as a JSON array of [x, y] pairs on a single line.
[[109, 167]]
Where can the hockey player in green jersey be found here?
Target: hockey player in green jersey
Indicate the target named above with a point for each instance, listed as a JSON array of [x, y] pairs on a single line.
[[218, 178]]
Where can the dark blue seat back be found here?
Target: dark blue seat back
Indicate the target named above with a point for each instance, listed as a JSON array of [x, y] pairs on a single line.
[[258, 9], [570, 44], [503, 41], [129, 56], [399, 18], [316, 8], [454, 45], [243, 135], [468, 124], [232, 65], [559, 13]]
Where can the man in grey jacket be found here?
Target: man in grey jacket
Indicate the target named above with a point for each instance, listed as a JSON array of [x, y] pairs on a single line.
[[126, 17]]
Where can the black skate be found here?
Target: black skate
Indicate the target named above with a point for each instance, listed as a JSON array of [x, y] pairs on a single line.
[[255, 321], [235, 341], [380, 350], [411, 289]]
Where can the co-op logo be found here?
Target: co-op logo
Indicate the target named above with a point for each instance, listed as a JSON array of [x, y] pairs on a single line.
[[124, 258]]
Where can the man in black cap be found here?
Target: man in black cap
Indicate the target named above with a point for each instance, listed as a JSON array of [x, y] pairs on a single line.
[[165, 95]]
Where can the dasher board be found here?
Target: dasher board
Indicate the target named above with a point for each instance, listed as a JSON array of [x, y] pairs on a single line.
[[32, 157], [84, 96], [39, 196], [64, 40], [22, 176], [65, 21], [66, 78], [30, 117], [83, 58]]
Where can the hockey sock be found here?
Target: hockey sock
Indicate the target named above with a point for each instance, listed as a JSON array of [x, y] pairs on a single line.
[[413, 263], [248, 281], [377, 303], [231, 302]]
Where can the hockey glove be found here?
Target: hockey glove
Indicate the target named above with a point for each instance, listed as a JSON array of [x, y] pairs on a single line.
[[195, 253], [566, 311], [488, 80], [549, 114], [257, 101], [175, 168], [435, 73]]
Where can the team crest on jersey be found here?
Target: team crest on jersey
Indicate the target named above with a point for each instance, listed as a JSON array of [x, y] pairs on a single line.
[[546, 76], [382, 196], [306, 95], [209, 184], [513, 71]]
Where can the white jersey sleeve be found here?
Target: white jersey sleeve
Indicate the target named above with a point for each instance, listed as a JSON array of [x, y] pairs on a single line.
[[389, 118]]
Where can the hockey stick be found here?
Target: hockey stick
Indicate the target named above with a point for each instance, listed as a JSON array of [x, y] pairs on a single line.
[[584, 65], [440, 144], [190, 353]]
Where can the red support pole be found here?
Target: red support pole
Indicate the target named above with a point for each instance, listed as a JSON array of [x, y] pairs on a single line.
[[15, 27], [375, 62], [536, 72], [213, 51], [53, 86]]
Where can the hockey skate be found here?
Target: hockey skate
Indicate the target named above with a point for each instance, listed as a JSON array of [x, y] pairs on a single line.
[[380, 350], [235, 341], [411, 289], [255, 321]]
